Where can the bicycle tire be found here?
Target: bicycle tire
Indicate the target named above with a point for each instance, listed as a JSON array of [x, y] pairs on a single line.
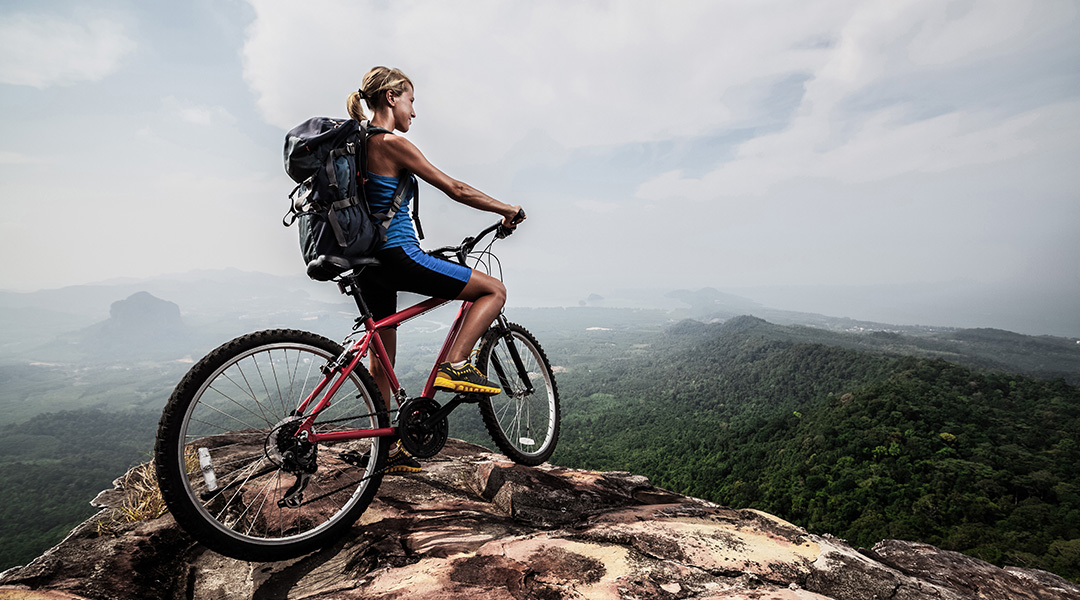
[[224, 458], [514, 417]]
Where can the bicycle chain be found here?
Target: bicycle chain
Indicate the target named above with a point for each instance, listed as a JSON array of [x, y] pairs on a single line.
[[382, 471], [344, 419]]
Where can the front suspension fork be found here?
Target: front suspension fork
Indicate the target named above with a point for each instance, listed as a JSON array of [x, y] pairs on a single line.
[[515, 356]]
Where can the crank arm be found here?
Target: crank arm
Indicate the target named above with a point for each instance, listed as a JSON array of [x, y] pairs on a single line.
[[444, 411]]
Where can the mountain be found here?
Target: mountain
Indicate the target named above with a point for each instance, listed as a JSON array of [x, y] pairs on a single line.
[[1048, 308], [698, 396], [474, 526], [858, 442], [64, 325], [140, 326]]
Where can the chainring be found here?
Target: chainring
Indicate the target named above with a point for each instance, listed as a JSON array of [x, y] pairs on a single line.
[[419, 440]]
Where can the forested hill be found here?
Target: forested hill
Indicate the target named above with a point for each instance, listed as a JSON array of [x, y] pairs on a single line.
[[863, 445]]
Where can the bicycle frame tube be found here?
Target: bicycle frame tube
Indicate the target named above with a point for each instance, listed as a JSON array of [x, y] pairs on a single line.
[[373, 344], [429, 387]]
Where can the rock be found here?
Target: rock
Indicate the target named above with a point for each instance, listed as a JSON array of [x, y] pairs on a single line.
[[971, 575], [473, 525]]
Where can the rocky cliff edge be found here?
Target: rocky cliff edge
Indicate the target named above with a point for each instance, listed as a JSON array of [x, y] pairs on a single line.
[[473, 525]]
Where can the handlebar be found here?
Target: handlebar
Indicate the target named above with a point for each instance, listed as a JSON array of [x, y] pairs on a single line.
[[462, 251]]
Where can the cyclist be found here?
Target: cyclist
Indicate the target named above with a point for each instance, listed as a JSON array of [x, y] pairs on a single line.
[[389, 95]]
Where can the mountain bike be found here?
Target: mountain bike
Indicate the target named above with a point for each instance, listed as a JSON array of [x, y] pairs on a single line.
[[274, 443]]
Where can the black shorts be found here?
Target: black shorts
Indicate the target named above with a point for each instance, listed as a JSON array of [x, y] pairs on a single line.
[[408, 269]]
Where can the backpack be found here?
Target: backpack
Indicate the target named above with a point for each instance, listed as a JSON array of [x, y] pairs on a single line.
[[327, 158]]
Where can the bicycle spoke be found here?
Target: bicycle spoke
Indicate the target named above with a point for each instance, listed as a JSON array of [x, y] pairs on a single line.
[[225, 414], [250, 392], [262, 378], [523, 420]]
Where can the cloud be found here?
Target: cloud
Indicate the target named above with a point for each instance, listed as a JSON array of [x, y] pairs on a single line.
[[585, 73], [882, 148], [42, 51], [848, 130], [194, 113]]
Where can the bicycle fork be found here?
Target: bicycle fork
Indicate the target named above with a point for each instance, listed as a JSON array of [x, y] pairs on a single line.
[[511, 347]]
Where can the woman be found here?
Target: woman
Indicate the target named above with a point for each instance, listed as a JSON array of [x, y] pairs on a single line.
[[389, 95]]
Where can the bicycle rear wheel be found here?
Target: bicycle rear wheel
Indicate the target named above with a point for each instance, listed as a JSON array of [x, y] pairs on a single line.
[[523, 420], [232, 472]]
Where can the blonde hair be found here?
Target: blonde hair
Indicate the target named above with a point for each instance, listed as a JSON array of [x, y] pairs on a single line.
[[373, 90]]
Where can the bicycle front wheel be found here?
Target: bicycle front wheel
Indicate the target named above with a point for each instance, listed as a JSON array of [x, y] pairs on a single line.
[[523, 420], [229, 466]]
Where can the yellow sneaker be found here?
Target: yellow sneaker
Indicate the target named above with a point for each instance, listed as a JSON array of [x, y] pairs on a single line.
[[402, 462], [466, 379]]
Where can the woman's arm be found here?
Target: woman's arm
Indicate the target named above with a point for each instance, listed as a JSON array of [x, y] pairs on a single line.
[[408, 157]]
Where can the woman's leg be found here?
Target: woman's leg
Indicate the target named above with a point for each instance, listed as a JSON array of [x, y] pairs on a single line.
[[389, 341], [488, 295], [399, 462]]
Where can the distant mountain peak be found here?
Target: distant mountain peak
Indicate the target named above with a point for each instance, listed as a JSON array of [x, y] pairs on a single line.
[[743, 323], [144, 312]]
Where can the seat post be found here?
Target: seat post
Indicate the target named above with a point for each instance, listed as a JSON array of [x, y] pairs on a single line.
[[350, 286]]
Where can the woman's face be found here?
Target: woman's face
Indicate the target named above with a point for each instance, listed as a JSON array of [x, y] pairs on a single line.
[[403, 110]]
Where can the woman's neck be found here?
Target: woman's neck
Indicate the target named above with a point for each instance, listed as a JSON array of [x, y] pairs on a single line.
[[383, 118]]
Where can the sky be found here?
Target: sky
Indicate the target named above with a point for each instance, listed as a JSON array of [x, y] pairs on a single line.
[[733, 144]]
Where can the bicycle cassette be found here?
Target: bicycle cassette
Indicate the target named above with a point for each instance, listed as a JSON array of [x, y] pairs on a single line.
[[419, 437]]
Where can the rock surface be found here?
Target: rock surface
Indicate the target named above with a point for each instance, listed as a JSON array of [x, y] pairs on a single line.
[[473, 525]]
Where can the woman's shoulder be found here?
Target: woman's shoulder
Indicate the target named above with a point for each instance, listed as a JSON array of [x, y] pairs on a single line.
[[392, 144]]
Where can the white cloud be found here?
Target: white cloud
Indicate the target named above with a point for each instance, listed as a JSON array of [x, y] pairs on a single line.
[[42, 51], [194, 113], [832, 138], [585, 73]]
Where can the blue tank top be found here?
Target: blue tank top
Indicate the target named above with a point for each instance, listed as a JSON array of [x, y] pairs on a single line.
[[379, 190]]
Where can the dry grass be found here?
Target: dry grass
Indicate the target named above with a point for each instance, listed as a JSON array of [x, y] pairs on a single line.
[[142, 500], [142, 497]]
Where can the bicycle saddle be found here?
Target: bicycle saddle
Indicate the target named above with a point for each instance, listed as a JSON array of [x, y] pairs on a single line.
[[326, 267]]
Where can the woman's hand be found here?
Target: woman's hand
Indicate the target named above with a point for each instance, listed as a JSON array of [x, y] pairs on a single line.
[[513, 216]]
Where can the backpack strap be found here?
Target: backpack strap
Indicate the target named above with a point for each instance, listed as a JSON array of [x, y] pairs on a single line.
[[349, 196], [406, 185]]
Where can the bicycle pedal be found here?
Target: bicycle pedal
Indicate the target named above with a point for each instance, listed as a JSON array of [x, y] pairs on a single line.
[[469, 398], [354, 458]]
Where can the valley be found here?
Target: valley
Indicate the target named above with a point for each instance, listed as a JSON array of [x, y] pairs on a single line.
[[964, 438]]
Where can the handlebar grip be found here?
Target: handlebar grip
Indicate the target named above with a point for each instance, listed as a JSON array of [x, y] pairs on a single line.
[[503, 231]]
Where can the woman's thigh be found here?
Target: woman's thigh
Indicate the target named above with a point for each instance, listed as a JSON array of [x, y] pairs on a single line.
[[410, 270], [481, 284]]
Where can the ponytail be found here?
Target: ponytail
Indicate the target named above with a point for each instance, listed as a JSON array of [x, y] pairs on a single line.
[[355, 107]]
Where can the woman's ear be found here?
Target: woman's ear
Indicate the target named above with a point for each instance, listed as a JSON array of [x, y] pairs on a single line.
[[391, 99]]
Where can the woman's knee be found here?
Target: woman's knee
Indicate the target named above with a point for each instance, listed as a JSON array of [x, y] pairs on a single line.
[[498, 290], [482, 285]]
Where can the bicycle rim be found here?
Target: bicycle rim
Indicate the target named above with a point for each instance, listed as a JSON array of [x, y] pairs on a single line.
[[240, 461]]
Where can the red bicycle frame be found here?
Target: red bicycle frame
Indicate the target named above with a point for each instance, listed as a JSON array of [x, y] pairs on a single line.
[[372, 343]]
